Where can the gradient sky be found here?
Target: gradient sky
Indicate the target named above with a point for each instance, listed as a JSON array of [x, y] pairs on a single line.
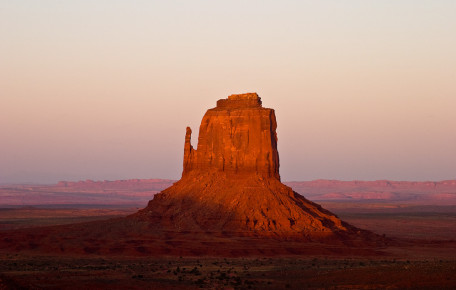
[[104, 89]]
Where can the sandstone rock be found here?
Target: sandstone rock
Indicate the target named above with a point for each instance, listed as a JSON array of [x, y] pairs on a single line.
[[237, 137], [231, 185]]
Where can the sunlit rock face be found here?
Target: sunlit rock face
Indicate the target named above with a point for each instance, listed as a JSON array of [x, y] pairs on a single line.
[[231, 185], [237, 137]]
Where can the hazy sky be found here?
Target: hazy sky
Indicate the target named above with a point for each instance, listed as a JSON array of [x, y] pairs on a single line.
[[104, 89]]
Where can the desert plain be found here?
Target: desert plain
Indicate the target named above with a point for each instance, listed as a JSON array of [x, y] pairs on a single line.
[[414, 217]]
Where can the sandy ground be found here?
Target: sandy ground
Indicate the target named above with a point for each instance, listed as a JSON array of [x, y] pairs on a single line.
[[425, 259], [43, 272]]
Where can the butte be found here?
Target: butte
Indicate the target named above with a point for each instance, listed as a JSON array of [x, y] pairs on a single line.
[[231, 186], [229, 202]]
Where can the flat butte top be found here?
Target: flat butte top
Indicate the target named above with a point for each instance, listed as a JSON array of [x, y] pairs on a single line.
[[238, 101]]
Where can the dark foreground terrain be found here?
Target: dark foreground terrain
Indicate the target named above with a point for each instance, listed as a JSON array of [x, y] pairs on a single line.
[[422, 255], [37, 272]]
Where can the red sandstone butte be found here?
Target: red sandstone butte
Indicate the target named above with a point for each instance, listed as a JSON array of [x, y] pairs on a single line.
[[229, 202], [238, 136], [231, 184]]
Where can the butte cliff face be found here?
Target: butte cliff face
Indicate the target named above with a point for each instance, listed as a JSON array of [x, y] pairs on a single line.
[[231, 185], [236, 137]]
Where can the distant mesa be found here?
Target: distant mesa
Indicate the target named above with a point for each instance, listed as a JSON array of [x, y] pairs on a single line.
[[137, 192]]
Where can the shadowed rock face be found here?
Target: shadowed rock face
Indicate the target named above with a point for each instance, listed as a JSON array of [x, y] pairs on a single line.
[[237, 137], [231, 184]]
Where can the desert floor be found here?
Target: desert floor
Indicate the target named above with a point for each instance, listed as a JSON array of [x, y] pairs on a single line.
[[425, 258]]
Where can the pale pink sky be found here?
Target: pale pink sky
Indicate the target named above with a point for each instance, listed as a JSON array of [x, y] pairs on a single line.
[[104, 89]]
